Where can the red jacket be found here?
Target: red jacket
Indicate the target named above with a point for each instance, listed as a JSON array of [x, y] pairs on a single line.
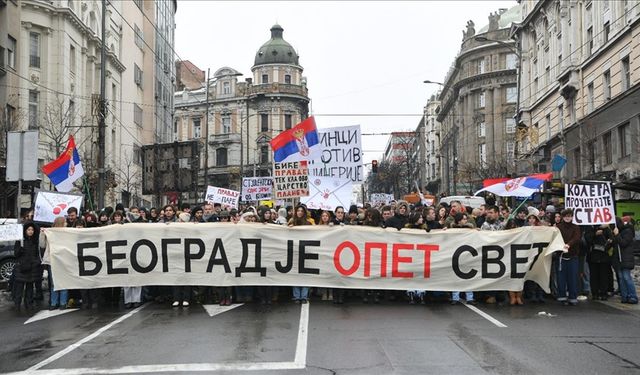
[[572, 236]]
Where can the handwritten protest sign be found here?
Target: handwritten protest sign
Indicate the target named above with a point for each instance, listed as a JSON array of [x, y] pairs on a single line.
[[380, 199], [257, 188], [226, 197], [10, 232], [327, 193], [341, 154], [591, 204], [50, 204], [291, 179]]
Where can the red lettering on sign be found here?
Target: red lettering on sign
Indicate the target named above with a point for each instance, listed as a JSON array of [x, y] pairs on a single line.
[[368, 246], [427, 257], [397, 259], [337, 258]]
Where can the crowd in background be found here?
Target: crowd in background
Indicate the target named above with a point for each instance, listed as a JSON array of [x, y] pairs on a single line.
[[595, 261]]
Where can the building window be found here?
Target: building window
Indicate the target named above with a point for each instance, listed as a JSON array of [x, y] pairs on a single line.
[[607, 31], [197, 129], [608, 151], [482, 153], [139, 37], [287, 121], [287, 78], [480, 66], [510, 125], [590, 97], [265, 78], [624, 136], [480, 100], [511, 94], [264, 154], [589, 43], [226, 124], [137, 114], [606, 78], [34, 99], [511, 149], [11, 52], [226, 88], [571, 103], [264, 122], [34, 50], [221, 157], [626, 77], [560, 118], [137, 75], [72, 59], [548, 129], [481, 129], [511, 61], [10, 115], [577, 155]]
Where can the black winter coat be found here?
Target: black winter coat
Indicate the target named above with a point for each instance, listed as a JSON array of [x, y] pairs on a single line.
[[625, 242], [28, 266], [598, 245]]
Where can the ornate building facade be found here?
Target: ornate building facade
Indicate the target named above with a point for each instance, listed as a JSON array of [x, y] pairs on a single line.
[[243, 116], [478, 104]]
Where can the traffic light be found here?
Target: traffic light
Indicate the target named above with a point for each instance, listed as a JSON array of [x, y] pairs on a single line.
[[374, 166]]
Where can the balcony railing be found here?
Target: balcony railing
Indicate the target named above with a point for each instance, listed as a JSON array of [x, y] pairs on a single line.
[[278, 88], [224, 138]]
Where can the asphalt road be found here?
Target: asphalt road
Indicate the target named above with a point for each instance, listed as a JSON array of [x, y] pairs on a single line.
[[322, 338]]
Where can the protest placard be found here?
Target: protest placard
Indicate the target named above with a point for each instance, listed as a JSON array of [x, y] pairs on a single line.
[[10, 232], [327, 193], [256, 188], [226, 197], [380, 199], [591, 204], [50, 204], [341, 154], [291, 179]]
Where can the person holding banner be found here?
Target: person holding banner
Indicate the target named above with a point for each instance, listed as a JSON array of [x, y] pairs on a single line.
[[569, 261], [300, 294], [624, 235], [57, 299]]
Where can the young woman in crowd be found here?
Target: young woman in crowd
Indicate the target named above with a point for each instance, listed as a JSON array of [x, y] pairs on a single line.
[[300, 294], [27, 270]]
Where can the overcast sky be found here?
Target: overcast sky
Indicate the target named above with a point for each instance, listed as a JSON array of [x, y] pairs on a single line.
[[360, 58]]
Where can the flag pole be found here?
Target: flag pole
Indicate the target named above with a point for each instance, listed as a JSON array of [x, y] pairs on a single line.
[[87, 191], [515, 211]]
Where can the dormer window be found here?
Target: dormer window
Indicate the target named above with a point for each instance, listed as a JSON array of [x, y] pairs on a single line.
[[265, 78], [226, 88], [287, 78]]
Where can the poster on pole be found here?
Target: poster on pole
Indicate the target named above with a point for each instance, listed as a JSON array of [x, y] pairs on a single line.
[[50, 205], [257, 188], [341, 154], [22, 156], [226, 197], [291, 179], [327, 193], [380, 199], [592, 204]]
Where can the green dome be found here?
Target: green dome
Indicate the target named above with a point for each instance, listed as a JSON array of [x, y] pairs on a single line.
[[276, 50]]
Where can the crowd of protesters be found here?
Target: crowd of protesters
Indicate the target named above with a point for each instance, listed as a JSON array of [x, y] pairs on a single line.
[[595, 256]]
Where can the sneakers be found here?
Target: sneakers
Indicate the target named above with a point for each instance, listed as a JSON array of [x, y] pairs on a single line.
[[185, 304], [582, 298], [175, 304]]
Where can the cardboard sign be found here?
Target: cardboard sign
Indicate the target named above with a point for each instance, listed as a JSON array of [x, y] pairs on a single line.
[[591, 204], [291, 179], [50, 205], [341, 154], [380, 199], [327, 193], [257, 188], [10, 232], [226, 197]]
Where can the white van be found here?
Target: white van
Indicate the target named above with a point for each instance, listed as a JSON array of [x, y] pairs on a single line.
[[473, 202]]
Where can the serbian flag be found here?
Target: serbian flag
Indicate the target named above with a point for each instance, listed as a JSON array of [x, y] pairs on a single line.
[[65, 169], [518, 187], [298, 143]]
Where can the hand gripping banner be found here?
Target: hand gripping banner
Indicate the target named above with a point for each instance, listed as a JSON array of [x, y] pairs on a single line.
[[224, 254]]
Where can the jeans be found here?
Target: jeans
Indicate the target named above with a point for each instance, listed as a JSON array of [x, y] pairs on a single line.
[[181, 293], [568, 278], [132, 294], [58, 298], [455, 296], [300, 292], [628, 292], [585, 276]]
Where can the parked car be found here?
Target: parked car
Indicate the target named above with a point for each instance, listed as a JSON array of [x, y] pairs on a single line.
[[7, 260]]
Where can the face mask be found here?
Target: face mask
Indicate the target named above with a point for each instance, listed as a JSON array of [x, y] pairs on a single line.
[[134, 216], [207, 216]]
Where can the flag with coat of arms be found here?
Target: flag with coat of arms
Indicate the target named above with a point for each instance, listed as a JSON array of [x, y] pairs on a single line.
[[66, 169]]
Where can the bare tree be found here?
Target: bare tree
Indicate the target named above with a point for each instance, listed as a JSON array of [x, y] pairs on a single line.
[[60, 119], [129, 175]]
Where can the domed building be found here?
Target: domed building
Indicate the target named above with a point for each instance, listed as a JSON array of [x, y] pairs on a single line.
[[244, 115]]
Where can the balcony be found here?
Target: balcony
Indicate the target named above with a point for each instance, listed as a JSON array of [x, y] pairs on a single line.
[[220, 139], [278, 88]]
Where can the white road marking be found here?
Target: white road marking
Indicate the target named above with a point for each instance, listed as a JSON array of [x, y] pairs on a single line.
[[214, 310], [303, 333], [299, 362], [45, 314], [486, 316], [76, 345]]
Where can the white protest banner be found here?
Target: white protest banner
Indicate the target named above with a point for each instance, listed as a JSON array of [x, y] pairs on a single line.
[[341, 154], [591, 204], [226, 197], [380, 199], [50, 204], [225, 254], [327, 193], [291, 179], [10, 232], [256, 188]]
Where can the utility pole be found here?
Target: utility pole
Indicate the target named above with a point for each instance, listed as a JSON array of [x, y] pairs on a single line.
[[103, 111], [206, 138]]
